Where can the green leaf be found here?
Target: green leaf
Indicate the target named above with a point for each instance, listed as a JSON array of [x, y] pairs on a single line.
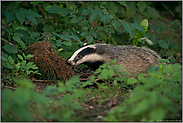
[[144, 24], [20, 17], [89, 38], [116, 24], [53, 9], [157, 114], [163, 44], [48, 28], [132, 7], [9, 15], [30, 56], [75, 38], [131, 81], [10, 48], [31, 18], [65, 37], [128, 28], [85, 12], [92, 32], [67, 43], [141, 107], [11, 60], [137, 26], [18, 39], [64, 12], [84, 33], [122, 3], [93, 17], [153, 12], [119, 67], [112, 8], [170, 52], [20, 57], [142, 6], [31, 13], [75, 20]]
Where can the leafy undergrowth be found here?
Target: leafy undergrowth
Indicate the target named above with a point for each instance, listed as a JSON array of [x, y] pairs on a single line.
[[156, 96]]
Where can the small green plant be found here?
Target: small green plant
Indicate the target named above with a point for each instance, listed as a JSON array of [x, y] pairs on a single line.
[[18, 69], [15, 103], [156, 97], [25, 104]]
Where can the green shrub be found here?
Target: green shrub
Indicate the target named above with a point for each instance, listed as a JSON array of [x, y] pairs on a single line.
[[156, 97], [25, 104]]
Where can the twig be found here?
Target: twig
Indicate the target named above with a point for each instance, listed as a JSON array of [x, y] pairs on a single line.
[[9, 87]]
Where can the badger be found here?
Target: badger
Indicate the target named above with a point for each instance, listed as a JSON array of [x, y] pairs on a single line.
[[132, 58]]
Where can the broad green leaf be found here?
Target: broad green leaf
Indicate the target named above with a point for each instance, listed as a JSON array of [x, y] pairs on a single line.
[[20, 16], [92, 32], [131, 81], [10, 48], [31, 18], [48, 28], [119, 67], [128, 28], [53, 9], [84, 33], [142, 6], [116, 24], [65, 37], [170, 52], [11, 60], [132, 7], [89, 38], [144, 24], [157, 114], [85, 12], [67, 43], [75, 38], [31, 13], [93, 17], [9, 15], [64, 12], [137, 26], [112, 8], [3, 58], [30, 56], [122, 3], [18, 39], [153, 12], [140, 107], [75, 20], [163, 44], [31, 65], [20, 57]]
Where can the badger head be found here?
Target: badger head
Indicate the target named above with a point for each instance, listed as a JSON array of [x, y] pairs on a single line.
[[90, 55]]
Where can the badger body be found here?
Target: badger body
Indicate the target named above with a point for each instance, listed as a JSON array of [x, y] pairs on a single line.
[[132, 58]]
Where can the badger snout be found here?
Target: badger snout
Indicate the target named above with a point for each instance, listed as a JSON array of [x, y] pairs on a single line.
[[69, 62]]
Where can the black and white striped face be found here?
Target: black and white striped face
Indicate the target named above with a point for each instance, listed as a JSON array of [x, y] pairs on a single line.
[[85, 54]]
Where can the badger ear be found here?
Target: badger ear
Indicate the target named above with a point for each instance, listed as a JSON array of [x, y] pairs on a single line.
[[93, 49]]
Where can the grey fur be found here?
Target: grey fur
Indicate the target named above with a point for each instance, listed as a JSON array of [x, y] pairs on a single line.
[[130, 57]]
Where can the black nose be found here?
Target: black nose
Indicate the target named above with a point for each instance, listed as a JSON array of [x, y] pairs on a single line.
[[68, 63]]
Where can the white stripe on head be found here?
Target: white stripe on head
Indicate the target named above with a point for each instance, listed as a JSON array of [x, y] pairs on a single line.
[[78, 51], [90, 58]]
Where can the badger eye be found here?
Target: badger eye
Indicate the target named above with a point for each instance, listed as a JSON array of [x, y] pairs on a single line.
[[78, 57]]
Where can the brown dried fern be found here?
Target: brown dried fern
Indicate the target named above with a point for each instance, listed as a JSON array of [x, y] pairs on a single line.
[[50, 65]]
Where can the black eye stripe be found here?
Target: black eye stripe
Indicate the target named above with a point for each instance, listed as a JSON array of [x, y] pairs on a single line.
[[83, 53]]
